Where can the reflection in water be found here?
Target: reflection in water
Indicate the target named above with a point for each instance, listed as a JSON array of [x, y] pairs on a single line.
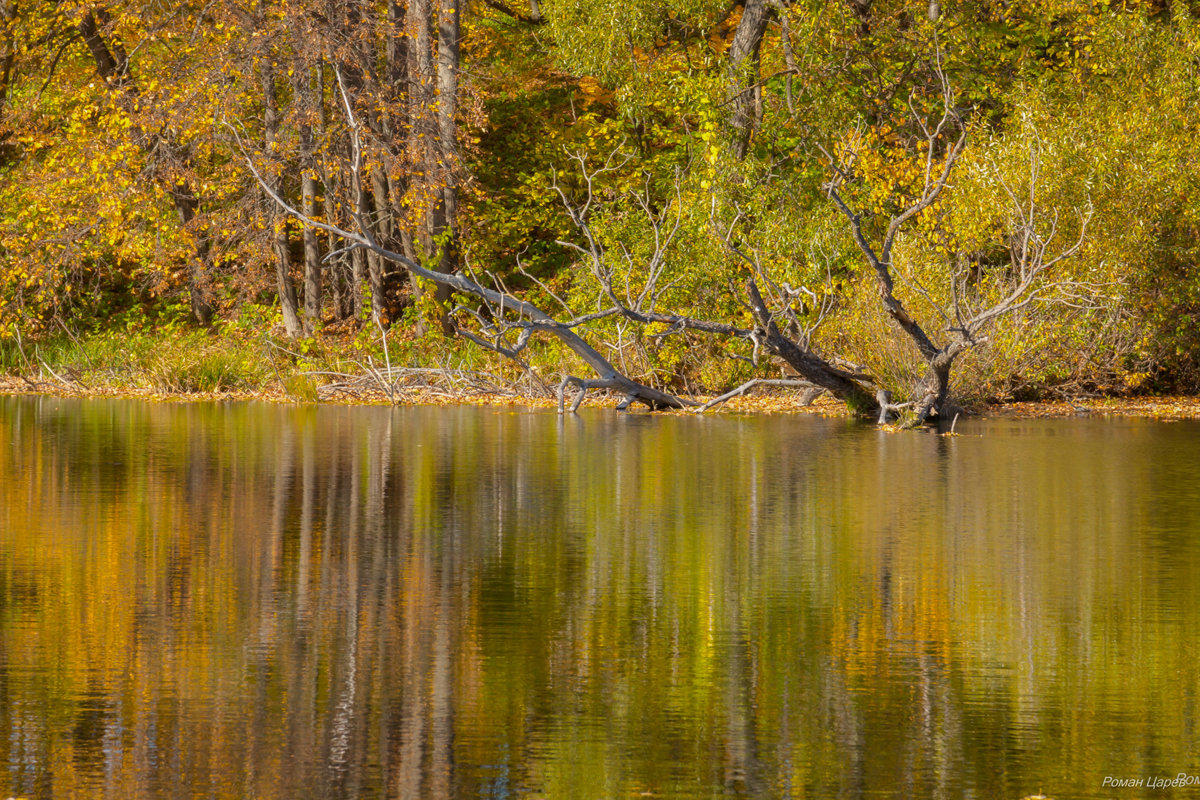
[[236, 600]]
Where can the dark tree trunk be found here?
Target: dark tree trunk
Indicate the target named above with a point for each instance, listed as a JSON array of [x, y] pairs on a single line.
[[8, 49], [312, 256], [344, 273], [358, 272], [199, 283], [374, 262], [396, 121], [279, 236], [111, 61], [309, 102], [810, 366], [743, 71]]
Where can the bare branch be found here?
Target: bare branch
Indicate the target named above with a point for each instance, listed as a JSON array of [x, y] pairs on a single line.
[[654, 398], [641, 309], [751, 384], [534, 18]]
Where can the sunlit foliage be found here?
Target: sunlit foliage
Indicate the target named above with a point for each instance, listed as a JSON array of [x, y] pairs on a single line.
[[127, 193]]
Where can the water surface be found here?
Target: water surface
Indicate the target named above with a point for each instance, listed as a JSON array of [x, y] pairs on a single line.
[[241, 600]]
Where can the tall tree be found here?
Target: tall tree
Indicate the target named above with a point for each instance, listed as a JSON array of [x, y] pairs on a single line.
[[434, 58], [745, 91], [278, 223], [174, 170]]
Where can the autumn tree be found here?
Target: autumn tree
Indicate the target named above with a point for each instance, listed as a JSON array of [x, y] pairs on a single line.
[[173, 161], [789, 185], [102, 161]]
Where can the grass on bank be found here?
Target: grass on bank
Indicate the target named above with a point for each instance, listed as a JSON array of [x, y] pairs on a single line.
[[249, 357], [238, 358]]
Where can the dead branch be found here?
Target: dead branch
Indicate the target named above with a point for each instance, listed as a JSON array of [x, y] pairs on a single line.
[[641, 305], [607, 375], [1034, 233], [752, 384], [887, 407], [664, 228]]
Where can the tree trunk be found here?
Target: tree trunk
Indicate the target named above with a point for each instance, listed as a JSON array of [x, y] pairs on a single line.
[[8, 50], [309, 100], [445, 220], [279, 237], [396, 121], [447, 128], [743, 72], [385, 233], [423, 124], [433, 104], [810, 366], [420, 135], [199, 284], [372, 197], [933, 393], [312, 256], [283, 279], [110, 58], [374, 262], [347, 293], [358, 272]]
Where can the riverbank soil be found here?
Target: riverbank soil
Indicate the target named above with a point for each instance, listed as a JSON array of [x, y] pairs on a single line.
[[768, 402]]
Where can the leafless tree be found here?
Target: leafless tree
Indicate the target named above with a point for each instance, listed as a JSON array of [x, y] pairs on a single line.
[[1034, 245], [510, 313]]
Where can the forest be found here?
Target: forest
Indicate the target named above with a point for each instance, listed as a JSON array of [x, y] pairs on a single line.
[[903, 204]]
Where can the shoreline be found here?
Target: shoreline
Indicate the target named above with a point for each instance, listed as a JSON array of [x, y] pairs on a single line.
[[1165, 407]]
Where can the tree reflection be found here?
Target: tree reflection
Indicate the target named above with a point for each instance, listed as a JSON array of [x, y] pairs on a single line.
[[244, 600]]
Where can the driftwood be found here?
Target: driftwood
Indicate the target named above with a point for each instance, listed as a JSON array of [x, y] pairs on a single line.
[[395, 382]]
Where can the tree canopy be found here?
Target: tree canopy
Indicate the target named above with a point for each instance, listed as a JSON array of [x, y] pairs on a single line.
[[885, 186]]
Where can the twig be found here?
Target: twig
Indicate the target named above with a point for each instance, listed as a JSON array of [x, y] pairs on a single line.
[[69, 384], [278, 376]]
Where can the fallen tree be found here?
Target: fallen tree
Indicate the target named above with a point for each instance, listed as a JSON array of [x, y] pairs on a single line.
[[507, 315], [506, 323], [502, 304], [642, 306]]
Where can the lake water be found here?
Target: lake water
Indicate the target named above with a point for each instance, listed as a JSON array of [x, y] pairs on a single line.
[[237, 600]]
